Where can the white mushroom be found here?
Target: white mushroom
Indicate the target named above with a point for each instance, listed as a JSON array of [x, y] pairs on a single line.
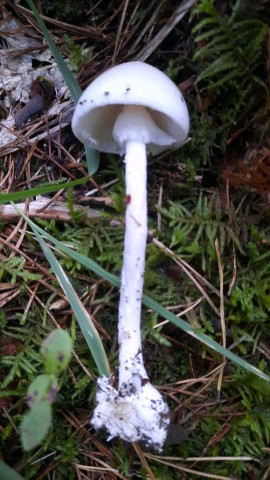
[[125, 110]]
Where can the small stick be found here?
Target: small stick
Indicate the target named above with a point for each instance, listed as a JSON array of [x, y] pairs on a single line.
[[222, 318], [56, 211]]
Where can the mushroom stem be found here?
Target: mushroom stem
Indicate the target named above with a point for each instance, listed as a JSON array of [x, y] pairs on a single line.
[[129, 336], [136, 410]]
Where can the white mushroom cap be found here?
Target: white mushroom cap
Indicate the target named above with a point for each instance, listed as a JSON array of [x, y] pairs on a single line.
[[132, 83]]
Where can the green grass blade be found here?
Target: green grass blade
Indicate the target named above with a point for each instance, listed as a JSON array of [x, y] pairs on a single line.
[[186, 327], [66, 72], [150, 303], [7, 473], [33, 192], [92, 156], [92, 160], [86, 324]]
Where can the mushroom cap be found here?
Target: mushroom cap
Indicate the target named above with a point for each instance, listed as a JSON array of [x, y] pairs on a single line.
[[131, 83]]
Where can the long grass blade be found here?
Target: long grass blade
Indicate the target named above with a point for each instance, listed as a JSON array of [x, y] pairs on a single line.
[[64, 69], [92, 156], [84, 319], [33, 192], [149, 302]]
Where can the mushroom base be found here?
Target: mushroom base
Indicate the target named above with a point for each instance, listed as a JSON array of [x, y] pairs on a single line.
[[132, 413]]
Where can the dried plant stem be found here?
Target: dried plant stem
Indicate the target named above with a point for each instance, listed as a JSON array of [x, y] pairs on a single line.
[[222, 318], [179, 13]]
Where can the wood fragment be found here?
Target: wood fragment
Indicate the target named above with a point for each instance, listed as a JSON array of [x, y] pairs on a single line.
[[57, 211]]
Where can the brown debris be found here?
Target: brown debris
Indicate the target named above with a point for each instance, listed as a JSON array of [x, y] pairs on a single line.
[[253, 172], [42, 93]]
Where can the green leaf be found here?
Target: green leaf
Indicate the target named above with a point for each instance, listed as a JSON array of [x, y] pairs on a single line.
[[149, 302], [7, 473], [92, 156], [56, 351], [44, 387], [36, 424]]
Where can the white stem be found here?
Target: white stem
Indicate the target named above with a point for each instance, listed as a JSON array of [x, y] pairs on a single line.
[[136, 410], [129, 326]]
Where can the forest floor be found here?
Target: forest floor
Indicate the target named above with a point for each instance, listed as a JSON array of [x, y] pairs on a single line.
[[208, 259]]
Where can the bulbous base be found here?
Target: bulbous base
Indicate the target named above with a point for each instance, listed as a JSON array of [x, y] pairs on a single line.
[[135, 412]]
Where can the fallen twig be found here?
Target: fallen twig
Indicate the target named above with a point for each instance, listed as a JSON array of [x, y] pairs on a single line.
[[56, 211]]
